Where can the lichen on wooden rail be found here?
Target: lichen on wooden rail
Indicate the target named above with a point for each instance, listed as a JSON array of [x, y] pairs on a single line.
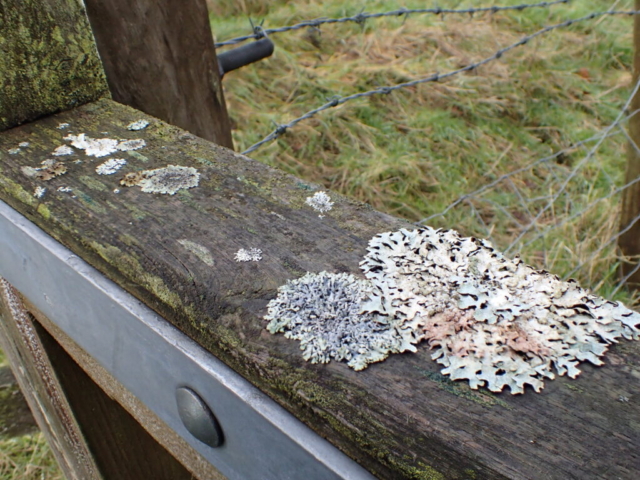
[[177, 253]]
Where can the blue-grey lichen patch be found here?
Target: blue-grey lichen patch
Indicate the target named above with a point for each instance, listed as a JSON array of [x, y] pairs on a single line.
[[39, 192], [169, 180], [198, 250], [493, 321], [323, 312]]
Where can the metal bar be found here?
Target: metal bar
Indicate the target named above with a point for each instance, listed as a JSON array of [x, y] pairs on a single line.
[[152, 359]]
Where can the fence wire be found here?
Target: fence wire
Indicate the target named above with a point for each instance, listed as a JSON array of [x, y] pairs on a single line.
[[537, 219], [435, 77], [259, 31]]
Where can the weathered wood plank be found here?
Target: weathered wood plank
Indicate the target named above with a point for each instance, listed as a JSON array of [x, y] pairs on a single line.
[[48, 59], [42, 389], [159, 58], [400, 418]]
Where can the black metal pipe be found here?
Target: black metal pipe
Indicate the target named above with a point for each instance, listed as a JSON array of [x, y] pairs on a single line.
[[244, 55]]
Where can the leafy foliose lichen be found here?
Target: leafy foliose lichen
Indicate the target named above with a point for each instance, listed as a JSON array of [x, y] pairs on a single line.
[[323, 312], [493, 321], [169, 180]]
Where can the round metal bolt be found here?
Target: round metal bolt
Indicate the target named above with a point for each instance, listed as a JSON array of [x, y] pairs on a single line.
[[198, 418]]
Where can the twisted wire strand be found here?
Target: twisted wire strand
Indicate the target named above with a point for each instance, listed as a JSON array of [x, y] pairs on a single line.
[[339, 100], [362, 17]]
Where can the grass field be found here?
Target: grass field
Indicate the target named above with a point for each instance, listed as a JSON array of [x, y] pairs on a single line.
[[414, 152]]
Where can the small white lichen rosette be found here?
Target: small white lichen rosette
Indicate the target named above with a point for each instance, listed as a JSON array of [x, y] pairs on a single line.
[[490, 320]]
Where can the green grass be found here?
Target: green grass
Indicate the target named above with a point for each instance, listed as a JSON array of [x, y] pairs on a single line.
[[413, 152], [27, 457]]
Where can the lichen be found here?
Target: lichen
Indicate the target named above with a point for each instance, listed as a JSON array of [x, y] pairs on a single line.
[[323, 312], [251, 255], [39, 192], [62, 150], [198, 250], [320, 202], [493, 321], [169, 180], [139, 125], [111, 166], [101, 147]]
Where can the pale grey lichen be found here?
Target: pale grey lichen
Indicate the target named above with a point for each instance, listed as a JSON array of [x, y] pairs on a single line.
[[13, 151], [93, 147], [65, 189], [24, 144], [198, 250], [251, 255], [62, 150], [490, 320], [39, 192], [320, 201], [62, 126], [111, 166], [139, 125], [323, 312], [126, 145], [168, 180]]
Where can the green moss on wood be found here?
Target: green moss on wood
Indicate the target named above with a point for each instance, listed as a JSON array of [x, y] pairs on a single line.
[[49, 60]]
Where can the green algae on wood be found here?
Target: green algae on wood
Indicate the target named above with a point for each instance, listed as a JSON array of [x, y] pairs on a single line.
[[49, 60]]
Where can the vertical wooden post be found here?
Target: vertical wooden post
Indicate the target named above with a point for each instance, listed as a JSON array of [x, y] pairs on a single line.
[[159, 57], [629, 241]]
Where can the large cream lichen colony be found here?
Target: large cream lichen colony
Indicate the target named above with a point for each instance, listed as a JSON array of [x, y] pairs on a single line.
[[490, 320]]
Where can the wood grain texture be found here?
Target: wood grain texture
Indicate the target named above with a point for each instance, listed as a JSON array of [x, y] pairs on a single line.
[[400, 418], [120, 446], [629, 240], [159, 58], [160, 431], [48, 59], [39, 383]]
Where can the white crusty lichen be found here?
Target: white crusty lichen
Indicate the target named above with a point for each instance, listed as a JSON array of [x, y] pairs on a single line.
[[490, 320], [135, 144], [168, 180], [62, 126], [139, 125], [250, 255], [62, 150], [111, 166], [39, 192], [321, 202], [101, 147], [323, 312]]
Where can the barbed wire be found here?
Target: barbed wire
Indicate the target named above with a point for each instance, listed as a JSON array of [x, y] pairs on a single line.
[[339, 100], [360, 18]]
